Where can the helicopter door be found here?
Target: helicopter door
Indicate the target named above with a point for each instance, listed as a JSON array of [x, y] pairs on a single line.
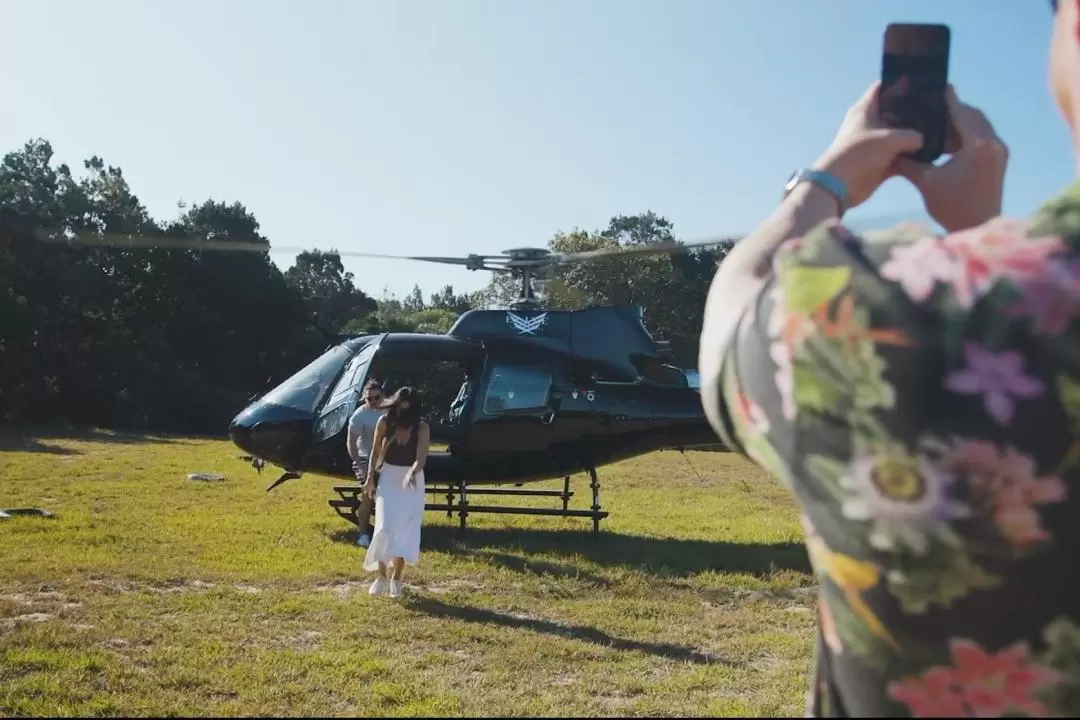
[[514, 413], [344, 397]]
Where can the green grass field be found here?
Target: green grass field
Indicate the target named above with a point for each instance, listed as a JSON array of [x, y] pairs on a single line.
[[150, 594]]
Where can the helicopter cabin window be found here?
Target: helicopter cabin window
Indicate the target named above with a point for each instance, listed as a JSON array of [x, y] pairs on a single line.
[[516, 387], [352, 375], [443, 384], [342, 400]]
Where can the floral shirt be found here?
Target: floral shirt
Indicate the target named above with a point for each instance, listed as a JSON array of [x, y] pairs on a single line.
[[920, 397]]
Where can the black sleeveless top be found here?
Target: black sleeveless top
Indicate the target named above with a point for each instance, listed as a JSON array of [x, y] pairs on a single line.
[[403, 454]]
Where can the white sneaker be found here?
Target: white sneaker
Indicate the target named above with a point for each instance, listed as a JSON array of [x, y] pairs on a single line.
[[396, 588], [364, 540], [379, 586]]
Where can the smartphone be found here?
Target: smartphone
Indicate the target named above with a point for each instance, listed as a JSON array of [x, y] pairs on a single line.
[[914, 75]]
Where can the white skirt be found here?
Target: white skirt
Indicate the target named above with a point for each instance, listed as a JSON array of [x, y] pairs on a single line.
[[398, 515]]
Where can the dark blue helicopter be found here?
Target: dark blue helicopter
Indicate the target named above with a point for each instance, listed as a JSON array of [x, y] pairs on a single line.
[[516, 395]]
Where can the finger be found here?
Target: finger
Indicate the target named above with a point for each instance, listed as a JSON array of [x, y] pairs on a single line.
[[952, 139], [914, 172], [959, 116], [869, 96], [868, 104], [971, 124], [901, 140]]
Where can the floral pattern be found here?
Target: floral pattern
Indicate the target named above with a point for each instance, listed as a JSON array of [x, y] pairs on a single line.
[[905, 500], [978, 684], [998, 378], [1005, 482], [920, 396], [1051, 299]]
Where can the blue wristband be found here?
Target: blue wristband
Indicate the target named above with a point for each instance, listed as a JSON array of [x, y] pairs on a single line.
[[824, 180]]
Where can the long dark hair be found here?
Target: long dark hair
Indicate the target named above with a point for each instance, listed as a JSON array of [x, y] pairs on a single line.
[[398, 417]]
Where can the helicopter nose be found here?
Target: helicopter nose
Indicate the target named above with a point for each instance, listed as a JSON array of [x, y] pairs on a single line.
[[271, 432], [240, 432]]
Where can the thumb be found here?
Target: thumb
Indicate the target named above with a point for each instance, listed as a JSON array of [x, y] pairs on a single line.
[[902, 140], [915, 172]]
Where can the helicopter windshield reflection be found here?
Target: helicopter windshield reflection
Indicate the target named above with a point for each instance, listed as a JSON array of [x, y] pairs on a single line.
[[306, 389]]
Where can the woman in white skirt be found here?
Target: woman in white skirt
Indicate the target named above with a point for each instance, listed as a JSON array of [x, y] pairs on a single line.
[[399, 450]]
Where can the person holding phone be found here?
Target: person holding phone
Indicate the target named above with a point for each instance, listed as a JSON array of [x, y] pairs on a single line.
[[920, 396]]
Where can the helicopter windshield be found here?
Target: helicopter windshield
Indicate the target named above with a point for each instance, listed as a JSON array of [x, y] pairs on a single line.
[[306, 389], [347, 383]]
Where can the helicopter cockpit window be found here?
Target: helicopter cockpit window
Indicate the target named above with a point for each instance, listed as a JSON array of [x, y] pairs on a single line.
[[353, 374], [304, 390], [513, 387]]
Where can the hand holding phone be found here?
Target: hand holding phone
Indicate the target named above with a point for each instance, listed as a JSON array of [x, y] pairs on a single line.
[[966, 191], [863, 153]]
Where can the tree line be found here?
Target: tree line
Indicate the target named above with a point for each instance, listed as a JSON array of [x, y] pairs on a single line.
[[178, 341]]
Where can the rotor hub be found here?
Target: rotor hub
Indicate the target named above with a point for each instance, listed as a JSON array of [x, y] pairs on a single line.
[[527, 253]]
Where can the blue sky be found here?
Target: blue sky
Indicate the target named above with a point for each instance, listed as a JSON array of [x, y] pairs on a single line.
[[456, 126]]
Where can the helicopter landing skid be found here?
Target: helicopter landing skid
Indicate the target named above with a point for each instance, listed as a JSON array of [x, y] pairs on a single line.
[[457, 501]]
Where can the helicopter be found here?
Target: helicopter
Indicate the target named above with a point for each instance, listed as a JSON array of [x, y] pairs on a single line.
[[515, 395]]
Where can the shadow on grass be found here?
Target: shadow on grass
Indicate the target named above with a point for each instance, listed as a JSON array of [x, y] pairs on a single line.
[[514, 562], [718, 448], [16, 443], [678, 653], [35, 439], [662, 557], [506, 560], [533, 566]]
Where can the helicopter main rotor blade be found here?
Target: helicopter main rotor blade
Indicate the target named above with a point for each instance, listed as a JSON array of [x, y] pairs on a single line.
[[130, 240], [532, 261], [864, 225], [475, 262], [621, 251]]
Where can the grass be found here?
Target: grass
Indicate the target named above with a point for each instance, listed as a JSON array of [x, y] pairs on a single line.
[[150, 594]]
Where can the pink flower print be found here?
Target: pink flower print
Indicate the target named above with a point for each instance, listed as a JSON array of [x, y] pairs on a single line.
[[1008, 483], [1015, 496], [1051, 299], [919, 266], [993, 684], [1000, 248], [980, 684], [930, 696], [1020, 524], [998, 377]]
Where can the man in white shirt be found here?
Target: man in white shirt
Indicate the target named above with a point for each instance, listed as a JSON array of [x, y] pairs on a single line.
[[361, 433]]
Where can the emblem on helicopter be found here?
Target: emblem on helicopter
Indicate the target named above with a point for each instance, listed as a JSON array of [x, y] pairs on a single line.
[[526, 325]]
